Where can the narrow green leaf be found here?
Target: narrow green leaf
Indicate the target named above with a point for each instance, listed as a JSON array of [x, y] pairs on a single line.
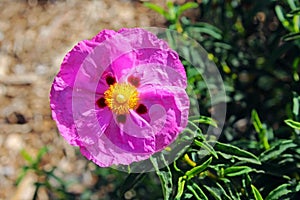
[[41, 153], [22, 175], [194, 171], [260, 129], [26, 156], [187, 195], [214, 192], [206, 120], [279, 192], [190, 188], [206, 146], [292, 123], [180, 189], [194, 129], [35, 163], [291, 36], [292, 4], [280, 15], [256, 121], [234, 194], [235, 152], [206, 30], [276, 150], [293, 13], [296, 104], [256, 193], [186, 6], [172, 12], [225, 196], [157, 9], [197, 191], [237, 170], [164, 176]]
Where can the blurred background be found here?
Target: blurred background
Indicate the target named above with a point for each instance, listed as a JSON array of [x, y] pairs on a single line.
[[254, 44], [35, 35]]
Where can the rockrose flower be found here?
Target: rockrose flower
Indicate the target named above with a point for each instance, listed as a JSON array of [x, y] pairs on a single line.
[[120, 96]]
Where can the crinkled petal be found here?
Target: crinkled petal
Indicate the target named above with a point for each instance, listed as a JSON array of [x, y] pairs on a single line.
[[143, 48], [156, 75], [141, 136], [103, 155], [175, 104], [82, 81], [74, 59], [61, 94], [62, 112]]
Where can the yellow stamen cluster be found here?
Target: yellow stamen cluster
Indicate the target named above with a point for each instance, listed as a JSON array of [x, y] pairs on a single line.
[[121, 97]]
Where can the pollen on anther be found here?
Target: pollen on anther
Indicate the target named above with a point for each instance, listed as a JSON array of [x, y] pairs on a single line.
[[101, 102]]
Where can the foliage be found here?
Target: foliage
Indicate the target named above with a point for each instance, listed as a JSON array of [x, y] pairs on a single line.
[[256, 46], [45, 177]]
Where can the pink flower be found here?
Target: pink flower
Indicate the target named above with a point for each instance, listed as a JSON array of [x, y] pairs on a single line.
[[120, 96]]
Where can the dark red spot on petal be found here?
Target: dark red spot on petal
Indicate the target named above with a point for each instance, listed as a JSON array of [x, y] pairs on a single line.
[[110, 80], [101, 102], [135, 81], [121, 118], [141, 109]]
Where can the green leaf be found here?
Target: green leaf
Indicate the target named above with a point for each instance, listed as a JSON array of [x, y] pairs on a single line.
[[206, 120], [194, 128], [197, 191], [256, 193], [164, 176], [194, 171], [180, 189], [26, 156], [292, 4], [296, 104], [256, 121], [279, 192], [260, 129], [280, 15], [130, 181], [172, 12], [276, 150], [157, 9], [186, 6], [291, 36], [215, 34], [214, 192], [41, 153], [195, 194], [237, 170], [292, 123], [230, 151], [207, 147], [22, 175], [293, 13], [187, 195]]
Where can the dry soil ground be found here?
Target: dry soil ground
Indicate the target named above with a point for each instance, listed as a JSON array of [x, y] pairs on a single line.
[[34, 37]]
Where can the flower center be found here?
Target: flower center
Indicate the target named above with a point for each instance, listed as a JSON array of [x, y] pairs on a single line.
[[120, 97]]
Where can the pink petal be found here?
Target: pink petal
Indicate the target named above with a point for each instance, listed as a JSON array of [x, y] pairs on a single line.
[[61, 94], [82, 81], [175, 103], [153, 74], [62, 112]]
